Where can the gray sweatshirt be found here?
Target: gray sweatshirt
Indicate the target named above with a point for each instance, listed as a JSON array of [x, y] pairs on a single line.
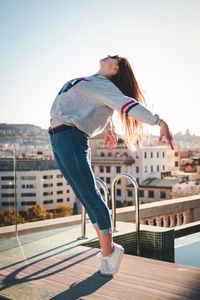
[[88, 104]]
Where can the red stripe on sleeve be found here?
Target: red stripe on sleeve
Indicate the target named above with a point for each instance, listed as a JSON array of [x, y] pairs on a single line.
[[125, 105]]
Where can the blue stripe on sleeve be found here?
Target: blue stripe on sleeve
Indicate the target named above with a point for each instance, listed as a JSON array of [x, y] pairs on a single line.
[[130, 107]]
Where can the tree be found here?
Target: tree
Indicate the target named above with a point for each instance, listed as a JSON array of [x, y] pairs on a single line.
[[8, 217], [36, 212], [63, 211]]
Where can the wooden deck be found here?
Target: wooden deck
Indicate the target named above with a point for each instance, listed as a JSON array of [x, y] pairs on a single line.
[[54, 268]]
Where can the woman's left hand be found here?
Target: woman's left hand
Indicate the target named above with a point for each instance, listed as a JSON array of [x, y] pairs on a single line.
[[164, 132], [110, 140]]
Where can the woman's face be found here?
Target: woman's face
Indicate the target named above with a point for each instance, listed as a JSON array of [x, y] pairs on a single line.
[[109, 65]]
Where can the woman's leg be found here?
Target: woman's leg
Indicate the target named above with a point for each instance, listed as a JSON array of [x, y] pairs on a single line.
[[106, 242], [73, 157]]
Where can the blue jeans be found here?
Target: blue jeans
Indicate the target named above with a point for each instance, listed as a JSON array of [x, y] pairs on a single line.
[[71, 148]]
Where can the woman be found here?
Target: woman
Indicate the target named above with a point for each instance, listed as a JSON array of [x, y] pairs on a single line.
[[84, 108]]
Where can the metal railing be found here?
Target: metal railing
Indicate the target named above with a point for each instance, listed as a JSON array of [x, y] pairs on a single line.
[[137, 209], [83, 211]]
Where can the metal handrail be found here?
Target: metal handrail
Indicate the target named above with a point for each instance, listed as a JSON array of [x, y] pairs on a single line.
[[15, 191], [137, 217], [83, 210]]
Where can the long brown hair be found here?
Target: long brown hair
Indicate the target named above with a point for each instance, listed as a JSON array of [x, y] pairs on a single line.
[[132, 130]]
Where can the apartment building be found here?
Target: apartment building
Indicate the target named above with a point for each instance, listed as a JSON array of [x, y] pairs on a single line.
[[146, 162], [37, 182]]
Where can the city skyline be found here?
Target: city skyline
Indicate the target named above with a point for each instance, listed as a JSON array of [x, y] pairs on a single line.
[[45, 43]]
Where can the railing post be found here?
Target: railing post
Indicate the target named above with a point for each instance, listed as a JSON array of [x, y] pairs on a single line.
[[137, 209], [15, 191]]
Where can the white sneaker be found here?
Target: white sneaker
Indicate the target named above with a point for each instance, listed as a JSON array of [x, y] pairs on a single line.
[[110, 264], [99, 260]]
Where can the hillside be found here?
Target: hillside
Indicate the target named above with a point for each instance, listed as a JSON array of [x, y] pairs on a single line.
[[24, 134]]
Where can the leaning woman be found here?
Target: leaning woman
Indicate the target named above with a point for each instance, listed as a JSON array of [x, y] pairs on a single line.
[[84, 108]]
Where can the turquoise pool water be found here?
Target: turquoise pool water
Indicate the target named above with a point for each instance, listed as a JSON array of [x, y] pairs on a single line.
[[187, 250]]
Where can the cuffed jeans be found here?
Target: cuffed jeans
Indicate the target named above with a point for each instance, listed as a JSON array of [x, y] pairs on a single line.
[[71, 149]]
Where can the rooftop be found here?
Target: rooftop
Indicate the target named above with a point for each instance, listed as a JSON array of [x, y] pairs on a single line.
[[28, 165], [53, 264], [159, 182]]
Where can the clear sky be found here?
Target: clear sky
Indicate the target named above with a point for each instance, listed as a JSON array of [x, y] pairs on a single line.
[[44, 43]]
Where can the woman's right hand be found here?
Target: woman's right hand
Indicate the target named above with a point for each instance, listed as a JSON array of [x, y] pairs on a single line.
[[165, 133], [110, 140]]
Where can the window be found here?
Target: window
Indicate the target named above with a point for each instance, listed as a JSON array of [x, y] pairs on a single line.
[[162, 195], [101, 169], [157, 154], [137, 169], [48, 202], [7, 177], [108, 180], [68, 199], [163, 154], [47, 185], [176, 163], [107, 169], [102, 154], [59, 176], [118, 169], [28, 194], [58, 192], [129, 193], [151, 168], [102, 178], [28, 203], [28, 177], [119, 182], [145, 155], [109, 154], [28, 186], [119, 192], [68, 191], [163, 167], [47, 193], [7, 186], [151, 154], [9, 195], [158, 168], [141, 193], [151, 194], [7, 203], [59, 184], [47, 176], [176, 153], [59, 200]]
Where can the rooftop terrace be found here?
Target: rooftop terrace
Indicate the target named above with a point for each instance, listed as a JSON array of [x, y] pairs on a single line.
[[54, 264]]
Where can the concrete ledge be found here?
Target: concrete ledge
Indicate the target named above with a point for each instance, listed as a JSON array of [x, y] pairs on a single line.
[[42, 225], [186, 229]]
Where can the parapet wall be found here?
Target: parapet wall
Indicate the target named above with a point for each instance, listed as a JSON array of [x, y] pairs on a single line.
[[168, 213]]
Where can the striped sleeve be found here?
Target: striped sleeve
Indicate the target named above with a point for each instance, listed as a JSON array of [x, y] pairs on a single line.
[[116, 100], [134, 109]]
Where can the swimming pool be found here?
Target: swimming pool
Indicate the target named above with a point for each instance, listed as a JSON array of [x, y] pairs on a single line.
[[187, 250]]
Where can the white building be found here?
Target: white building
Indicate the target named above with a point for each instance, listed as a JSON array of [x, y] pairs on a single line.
[[37, 182], [154, 162]]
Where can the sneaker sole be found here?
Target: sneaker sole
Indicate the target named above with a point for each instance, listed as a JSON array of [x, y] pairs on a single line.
[[119, 262]]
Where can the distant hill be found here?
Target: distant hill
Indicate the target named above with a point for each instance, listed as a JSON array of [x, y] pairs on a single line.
[[26, 134]]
